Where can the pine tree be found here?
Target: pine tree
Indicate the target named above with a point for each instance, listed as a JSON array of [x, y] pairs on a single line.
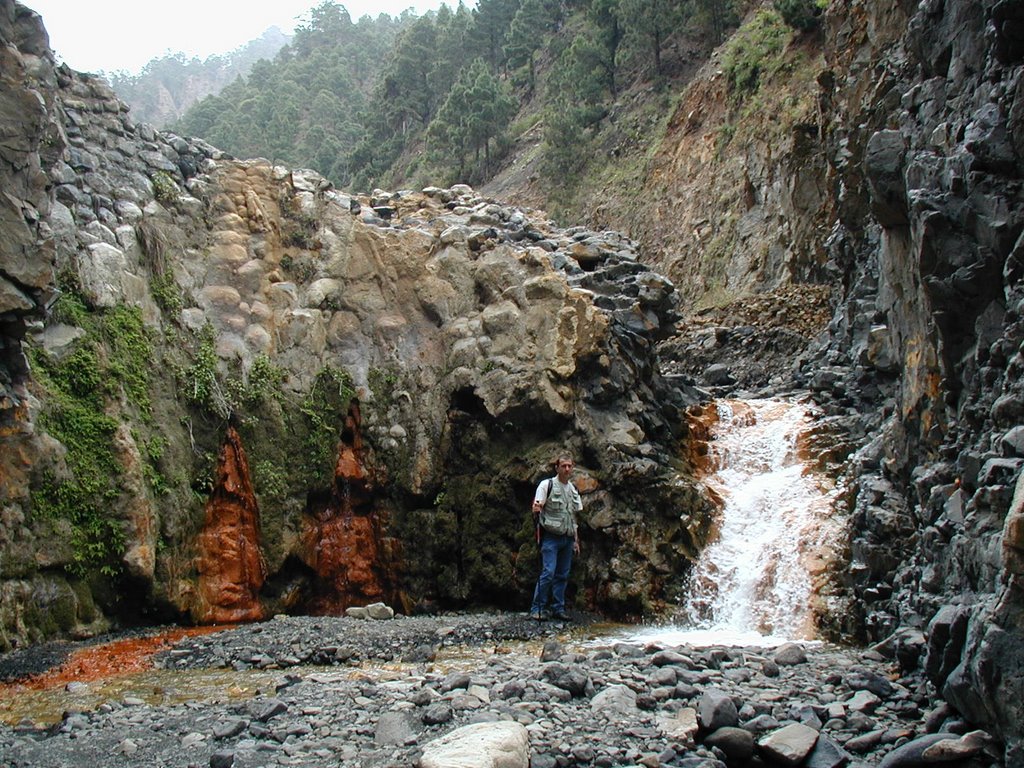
[[492, 20], [526, 36], [475, 113], [647, 23], [609, 32]]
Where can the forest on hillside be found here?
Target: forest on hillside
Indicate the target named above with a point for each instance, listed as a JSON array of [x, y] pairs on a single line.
[[168, 85], [442, 97]]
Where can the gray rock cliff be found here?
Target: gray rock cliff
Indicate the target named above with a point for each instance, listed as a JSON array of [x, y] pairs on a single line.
[[924, 351]]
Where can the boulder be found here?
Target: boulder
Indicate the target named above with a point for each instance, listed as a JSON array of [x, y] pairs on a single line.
[[614, 701], [790, 745], [933, 749], [736, 743], [480, 745], [790, 654], [716, 709]]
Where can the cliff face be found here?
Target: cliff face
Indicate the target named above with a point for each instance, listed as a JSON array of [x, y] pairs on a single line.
[[252, 393], [877, 178], [926, 171], [31, 141]]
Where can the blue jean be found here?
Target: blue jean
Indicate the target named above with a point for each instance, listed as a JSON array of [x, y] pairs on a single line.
[[556, 560]]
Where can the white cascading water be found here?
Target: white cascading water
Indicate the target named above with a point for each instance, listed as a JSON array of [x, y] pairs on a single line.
[[753, 583]]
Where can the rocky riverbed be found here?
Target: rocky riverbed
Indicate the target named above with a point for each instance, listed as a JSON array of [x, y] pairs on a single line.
[[504, 690]]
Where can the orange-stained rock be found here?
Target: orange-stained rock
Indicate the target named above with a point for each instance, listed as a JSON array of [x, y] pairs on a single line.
[[343, 541], [230, 564], [701, 419]]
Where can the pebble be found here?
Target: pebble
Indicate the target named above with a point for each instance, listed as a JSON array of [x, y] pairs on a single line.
[[548, 695]]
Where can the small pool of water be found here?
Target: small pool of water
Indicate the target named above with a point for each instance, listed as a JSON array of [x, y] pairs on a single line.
[[704, 638], [45, 706], [110, 673]]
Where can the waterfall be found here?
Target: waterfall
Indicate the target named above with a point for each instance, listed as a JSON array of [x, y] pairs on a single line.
[[754, 582]]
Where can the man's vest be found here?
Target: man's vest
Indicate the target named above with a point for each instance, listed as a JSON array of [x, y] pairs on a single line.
[[557, 515]]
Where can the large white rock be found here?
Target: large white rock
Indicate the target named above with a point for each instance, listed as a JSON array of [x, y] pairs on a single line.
[[681, 726], [480, 745]]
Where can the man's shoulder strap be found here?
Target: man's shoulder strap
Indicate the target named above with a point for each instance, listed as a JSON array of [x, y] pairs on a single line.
[[547, 493]]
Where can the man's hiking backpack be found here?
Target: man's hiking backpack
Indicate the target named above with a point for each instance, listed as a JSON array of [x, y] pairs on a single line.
[[537, 514]]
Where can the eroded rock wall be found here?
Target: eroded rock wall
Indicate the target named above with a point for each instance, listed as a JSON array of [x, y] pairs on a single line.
[[925, 351], [252, 393]]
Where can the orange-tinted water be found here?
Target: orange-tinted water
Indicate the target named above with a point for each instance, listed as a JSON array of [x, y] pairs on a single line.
[[99, 662]]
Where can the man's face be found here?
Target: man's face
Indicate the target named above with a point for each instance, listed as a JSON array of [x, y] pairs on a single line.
[[564, 470]]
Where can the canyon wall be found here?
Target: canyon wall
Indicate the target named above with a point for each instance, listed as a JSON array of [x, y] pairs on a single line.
[[924, 141], [880, 184]]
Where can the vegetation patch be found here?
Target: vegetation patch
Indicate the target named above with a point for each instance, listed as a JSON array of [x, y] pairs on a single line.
[[757, 49], [201, 385], [804, 15], [70, 309], [88, 389], [166, 293], [74, 415], [262, 381], [325, 409], [382, 383], [152, 454], [131, 353], [164, 189], [300, 231]]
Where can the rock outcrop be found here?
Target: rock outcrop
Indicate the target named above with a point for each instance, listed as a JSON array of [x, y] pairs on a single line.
[[896, 185], [925, 348], [253, 393]]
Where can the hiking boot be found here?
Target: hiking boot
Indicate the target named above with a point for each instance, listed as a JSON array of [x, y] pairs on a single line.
[[538, 616], [561, 616]]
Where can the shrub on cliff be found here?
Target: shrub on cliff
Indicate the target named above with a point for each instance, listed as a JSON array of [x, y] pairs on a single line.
[[804, 15]]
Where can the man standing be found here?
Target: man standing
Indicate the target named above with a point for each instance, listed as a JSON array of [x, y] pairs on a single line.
[[555, 505]]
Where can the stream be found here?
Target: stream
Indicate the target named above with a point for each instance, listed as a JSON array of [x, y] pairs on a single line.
[[754, 584]]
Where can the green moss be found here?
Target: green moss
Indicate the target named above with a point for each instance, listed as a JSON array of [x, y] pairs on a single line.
[[270, 480], [86, 608], [325, 409], [114, 356], [756, 49], [131, 353], [152, 453], [164, 189], [84, 499], [262, 381], [70, 309], [78, 375], [200, 384], [166, 293]]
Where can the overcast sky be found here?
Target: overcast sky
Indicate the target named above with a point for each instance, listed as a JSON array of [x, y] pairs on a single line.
[[112, 35]]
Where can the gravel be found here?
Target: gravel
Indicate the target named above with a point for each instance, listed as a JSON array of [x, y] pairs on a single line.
[[351, 692]]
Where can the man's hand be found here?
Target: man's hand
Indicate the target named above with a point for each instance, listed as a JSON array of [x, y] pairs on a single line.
[[576, 546]]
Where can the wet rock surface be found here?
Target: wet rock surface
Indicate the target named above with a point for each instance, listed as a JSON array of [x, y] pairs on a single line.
[[356, 692]]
